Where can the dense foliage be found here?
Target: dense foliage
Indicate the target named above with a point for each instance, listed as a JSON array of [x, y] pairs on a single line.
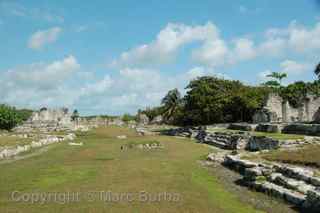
[[9, 117], [24, 114], [127, 117], [152, 112], [213, 100], [296, 93], [210, 100]]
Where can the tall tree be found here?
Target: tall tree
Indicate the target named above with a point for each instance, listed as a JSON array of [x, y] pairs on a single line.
[[75, 116], [317, 70], [277, 76], [171, 103]]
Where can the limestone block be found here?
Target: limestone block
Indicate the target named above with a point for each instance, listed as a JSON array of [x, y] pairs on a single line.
[[267, 128], [258, 143]]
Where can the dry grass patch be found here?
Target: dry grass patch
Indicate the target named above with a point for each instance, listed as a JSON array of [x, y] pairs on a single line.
[[308, 156]]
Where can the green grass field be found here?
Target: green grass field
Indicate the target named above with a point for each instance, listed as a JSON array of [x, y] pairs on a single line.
[[13, 141], [101, 165]]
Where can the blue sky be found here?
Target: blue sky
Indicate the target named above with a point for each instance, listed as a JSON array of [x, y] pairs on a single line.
[[112, 57]]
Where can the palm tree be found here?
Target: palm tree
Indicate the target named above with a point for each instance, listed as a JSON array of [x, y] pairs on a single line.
[[272, 83], [278, 76], [317, 70], [171, 103], [75, 116]]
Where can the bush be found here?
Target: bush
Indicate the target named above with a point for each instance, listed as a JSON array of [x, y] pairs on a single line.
[[24, 114], [127, 117], [9, 117]]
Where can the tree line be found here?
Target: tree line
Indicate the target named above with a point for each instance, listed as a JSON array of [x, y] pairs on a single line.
[[210, 99]]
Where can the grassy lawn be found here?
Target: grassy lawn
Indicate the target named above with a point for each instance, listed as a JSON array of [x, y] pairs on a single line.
[[309, 155], [100, 165], [278, 136]]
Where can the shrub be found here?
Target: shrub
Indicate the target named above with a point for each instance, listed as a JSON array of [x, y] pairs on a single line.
[[9, 117]]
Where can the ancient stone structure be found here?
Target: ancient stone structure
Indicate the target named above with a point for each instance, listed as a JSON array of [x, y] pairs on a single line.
[[241, 126], [267, 127], [257, 143], [239, 140], [302, 129], [296, 185], [61, 116], [47, 120], [8, 152], [157, 120], [143, 119], [278, 110], [97, 121]]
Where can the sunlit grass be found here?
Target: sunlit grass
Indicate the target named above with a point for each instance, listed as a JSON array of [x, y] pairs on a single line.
[[100, 165]]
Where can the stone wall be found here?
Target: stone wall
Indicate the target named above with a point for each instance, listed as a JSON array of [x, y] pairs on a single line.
[[302, 129], [61, 116], [278, 110], [99, 121], [48, 120], [9, 152], [239, 140], [274, 105]]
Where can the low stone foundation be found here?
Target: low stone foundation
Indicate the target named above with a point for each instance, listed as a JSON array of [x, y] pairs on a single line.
[[302, 129], [295, 185], [272, 128], [8, 152], [242, 126], [258, 143], [239, 139]]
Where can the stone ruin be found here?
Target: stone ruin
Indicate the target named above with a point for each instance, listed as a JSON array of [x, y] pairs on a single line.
[[96, 121], [280, 111], [47, 120]]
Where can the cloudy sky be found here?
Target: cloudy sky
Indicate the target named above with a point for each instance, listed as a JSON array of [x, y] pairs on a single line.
[[111, 57]]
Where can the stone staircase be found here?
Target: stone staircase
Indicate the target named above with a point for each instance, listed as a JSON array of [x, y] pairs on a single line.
[[296, 185]]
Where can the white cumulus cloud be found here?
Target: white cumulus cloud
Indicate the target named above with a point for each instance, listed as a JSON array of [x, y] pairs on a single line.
[[164, 48], [40, 84], [43, 37], [294, 68]]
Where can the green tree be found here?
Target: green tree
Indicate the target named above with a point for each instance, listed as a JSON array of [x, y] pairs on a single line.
[[317, 70], [272, 83], [206, 98], [9, 117], [171, 103], [75, 115], [127, 117], [297, 93], [244, 103], [152, 112], [277, 76], [24, 114], [213, 100]]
